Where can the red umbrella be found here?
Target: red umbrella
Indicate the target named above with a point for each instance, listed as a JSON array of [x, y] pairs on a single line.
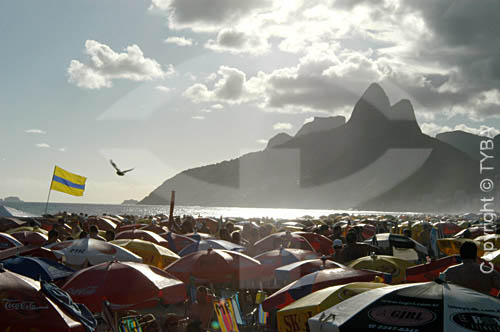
[[319, 242], [143, 235], [299, 269], [121, 228], [316, 281], [214, 265], [155, 229], [273, 241], [8, 241], [124, 284], [41, 252], [7, 223], [275, 258], [33, 238], [448, 229], [25, 307], [177, 242], [430, 271]]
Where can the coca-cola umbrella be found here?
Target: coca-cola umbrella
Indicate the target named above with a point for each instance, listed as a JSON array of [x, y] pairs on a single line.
[[319, 242], [31, 238], [319, 280], [92, 251], [428, 306], [299, 269], [273, 259], [143, 235], [215, 266], [177, 242], [8, 241], [286, 239], [125, 285], [430, 271], [26, 308]]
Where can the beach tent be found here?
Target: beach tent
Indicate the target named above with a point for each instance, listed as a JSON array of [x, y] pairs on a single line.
[[429, 306], [293, 318]]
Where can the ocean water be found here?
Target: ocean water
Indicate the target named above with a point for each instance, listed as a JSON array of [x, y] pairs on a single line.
[[38, 208]]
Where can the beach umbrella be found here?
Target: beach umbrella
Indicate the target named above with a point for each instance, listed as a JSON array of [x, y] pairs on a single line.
[[293, 317], [492, 239], [319, 242], [211, 243], [26, 308], [273, 259], [447, 229], [474, 232], [430, 271], [27, 229], [429, 306], [92, 251], [199, 236], [492, 256], [394, 266], [271, 241], [103, 223], [367, 230], [215, 266], [31, 238], [7, 223], [155, 228], [126, 285], [316, 281], [121, 228], [299, 269], [41, 252], [177, 242], [150, 252], [37, 268], [8, 241], [142, 235], [389, 241], [451, 246], [211, 223]]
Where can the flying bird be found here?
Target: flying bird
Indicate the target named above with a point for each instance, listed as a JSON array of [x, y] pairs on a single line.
[[118, 171]]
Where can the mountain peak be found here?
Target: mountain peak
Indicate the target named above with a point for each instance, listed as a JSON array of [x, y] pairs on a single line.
[[321, 124], [372, 108], [278, 139]]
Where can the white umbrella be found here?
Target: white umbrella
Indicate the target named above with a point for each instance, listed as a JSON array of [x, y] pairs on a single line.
[[429, 306], [77, 252]]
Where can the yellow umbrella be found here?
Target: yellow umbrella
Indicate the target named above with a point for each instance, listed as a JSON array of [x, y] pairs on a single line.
[[389, 264], [293, 318], [492, 256], [27, 229], [493, 239], [451, 246], [151, 253]]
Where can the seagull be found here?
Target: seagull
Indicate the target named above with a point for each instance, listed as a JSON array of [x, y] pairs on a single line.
[[118, 171]]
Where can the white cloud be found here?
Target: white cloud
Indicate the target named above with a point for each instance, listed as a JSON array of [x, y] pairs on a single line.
[[233, 41], [63, 149], [282, 126], [42, 145], [198, 117], [179, 41], [163, 88], [105, 65], [35, 131], [433, 129], [217, 106]]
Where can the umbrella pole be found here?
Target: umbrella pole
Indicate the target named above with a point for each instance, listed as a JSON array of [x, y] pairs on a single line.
[[50, 189]]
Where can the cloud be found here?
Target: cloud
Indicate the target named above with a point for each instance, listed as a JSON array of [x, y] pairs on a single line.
[[198, 117], [179, 41], [433, 129], [105, 65], [282, 126], [63, 149], [163, 88], [35, 131], [217, 107], [234, 41], [42, 145]]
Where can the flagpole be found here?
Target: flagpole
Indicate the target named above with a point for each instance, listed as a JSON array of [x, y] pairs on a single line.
[[50, 189]]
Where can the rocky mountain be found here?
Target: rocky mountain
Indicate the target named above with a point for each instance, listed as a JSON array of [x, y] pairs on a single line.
[[466, 142], [321, 124], [378, 160], [278, 139]]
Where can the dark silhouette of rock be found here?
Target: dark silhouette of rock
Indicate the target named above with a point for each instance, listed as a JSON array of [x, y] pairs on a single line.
[[277, 140], [321, 124]]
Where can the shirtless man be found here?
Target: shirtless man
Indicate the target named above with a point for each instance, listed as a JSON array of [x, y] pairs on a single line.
[[202, 309], [470, 274]]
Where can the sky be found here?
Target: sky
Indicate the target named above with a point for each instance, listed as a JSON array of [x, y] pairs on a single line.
[[167, 85]]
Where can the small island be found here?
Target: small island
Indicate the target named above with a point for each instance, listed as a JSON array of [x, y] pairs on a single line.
[[12, 199], [130, 202]]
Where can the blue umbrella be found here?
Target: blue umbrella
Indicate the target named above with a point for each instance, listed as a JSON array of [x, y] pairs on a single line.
[[35, 267], [211, 243]]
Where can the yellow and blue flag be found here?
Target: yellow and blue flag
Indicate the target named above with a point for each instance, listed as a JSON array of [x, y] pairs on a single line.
[[67, 182]]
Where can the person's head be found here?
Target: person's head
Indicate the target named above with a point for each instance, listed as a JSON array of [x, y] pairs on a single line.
[[236, 237], [110, 236], [337, 230], [93, 230], [351, 237], [83, 235], [187, 227], [324, 230], [201, 294], [253, 235], [224, 234], [230, 227], [468, 250], [53, 235], [337, 244]]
